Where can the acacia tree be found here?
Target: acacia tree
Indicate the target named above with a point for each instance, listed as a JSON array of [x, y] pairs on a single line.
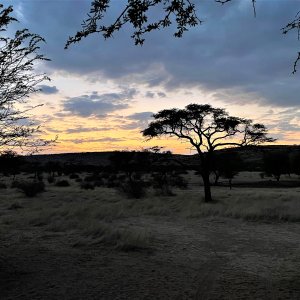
[[18, 56], [206, 129], [138, 14]]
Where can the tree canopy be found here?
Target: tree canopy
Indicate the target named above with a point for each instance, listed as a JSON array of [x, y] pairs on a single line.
[[207, 128]]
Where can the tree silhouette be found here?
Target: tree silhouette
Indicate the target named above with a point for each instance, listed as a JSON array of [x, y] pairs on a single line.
[[276, 164], [206, 129], [18, 56], [227, 165]]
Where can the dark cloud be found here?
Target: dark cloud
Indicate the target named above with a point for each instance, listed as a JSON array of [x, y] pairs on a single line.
[[98, 104], [231, 51], [141, 116], [140, 120], [46, 89], [149, 94], [161, 94]]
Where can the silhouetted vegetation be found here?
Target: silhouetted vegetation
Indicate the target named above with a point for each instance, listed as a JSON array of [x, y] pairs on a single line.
[[30, 189], [276, 164], [227, 165], [18, 57], [206, 129], [62, 183]]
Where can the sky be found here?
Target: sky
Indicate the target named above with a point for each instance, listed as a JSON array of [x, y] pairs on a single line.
[[102, 93]]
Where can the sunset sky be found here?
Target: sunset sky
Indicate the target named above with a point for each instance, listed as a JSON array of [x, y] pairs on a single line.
[[103, 93]]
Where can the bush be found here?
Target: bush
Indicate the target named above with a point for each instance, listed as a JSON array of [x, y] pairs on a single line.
[[161, 184], [78, 180], [87, 186], [3, 185], [99, 183], [112, 183], [62, 183], [94, 177], [133, 189], [179, 181], [15, 184], [31, 189], [51, 179], [74, 176]]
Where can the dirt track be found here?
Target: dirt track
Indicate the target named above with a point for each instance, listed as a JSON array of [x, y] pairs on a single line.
[[189, 259]]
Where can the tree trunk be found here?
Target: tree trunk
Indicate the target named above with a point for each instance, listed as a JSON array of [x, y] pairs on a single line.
[[207, 191]]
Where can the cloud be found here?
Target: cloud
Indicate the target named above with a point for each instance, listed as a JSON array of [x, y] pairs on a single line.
[[87, 129], [140, 119], [141, 116], [96, 104], [161, 94], [149, 94], [46, 89], [94, 140], [231, 51]]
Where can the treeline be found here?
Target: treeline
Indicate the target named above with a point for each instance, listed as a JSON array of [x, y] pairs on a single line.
[[133, 172]]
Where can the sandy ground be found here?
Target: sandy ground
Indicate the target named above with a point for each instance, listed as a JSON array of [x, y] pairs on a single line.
[[189, 259]]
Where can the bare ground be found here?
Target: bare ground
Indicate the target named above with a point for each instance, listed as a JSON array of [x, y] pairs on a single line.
[[189, 259]]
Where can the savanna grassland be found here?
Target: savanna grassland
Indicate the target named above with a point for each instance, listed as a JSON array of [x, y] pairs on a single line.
[[73, 243]]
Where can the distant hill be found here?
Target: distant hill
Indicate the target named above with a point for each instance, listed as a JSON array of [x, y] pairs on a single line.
[[251, 156]]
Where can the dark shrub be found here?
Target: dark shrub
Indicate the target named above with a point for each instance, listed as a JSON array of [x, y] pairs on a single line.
[[112, 183], [122, 177], [91, 178], [3, 185], [74, 176], [78, 180], [105, 175], [133, 189], [99, 183], [31, 189], [51, 179], [15, 206], [15, 184], [87, 186], [162, 185], [62, 183], [179, 181]]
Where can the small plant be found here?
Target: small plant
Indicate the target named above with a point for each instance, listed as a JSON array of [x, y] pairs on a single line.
[[62, 183]]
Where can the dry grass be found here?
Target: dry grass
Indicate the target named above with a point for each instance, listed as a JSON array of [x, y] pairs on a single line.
[[90, 213]]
